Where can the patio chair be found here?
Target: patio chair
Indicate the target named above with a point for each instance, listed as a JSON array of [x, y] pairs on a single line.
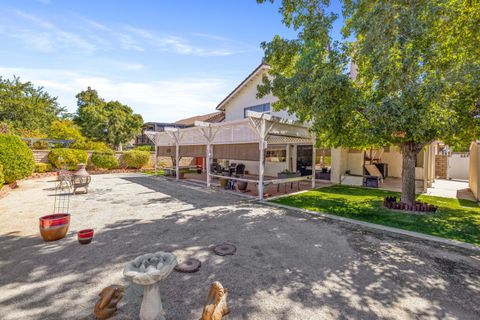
[[216, 168], [240, 170]]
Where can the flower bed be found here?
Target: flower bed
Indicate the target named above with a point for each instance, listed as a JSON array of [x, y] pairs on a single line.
[[392, 203]]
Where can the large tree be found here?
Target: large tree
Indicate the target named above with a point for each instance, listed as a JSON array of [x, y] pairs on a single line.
[[110, 122], [416, 74], [27, 108]]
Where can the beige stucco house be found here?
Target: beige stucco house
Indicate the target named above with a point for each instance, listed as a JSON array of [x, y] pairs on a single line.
[[269, 142]]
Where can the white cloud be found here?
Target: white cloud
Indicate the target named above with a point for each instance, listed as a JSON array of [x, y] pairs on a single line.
[[161, 101], [80, 35], [44, 36]]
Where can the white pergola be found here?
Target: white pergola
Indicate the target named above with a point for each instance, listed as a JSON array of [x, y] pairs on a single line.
[[258, 128]]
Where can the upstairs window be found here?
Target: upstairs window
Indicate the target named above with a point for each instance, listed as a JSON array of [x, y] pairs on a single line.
[[263, 108]]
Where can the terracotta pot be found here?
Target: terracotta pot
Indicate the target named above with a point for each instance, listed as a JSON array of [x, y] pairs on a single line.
[[85, 236], [242, 185], [54, 226]]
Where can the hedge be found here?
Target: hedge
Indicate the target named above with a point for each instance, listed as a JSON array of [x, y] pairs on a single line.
[[43, 167], [68, 158], [90, 145], [104, 160], [135, 159], [2, 179], [16, 158]]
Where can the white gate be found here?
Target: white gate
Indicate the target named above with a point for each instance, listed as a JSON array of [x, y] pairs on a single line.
[[458, 166]]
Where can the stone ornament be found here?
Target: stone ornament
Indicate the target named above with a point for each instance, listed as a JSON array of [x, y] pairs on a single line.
[[216, 306], [106, 306], [148, 270]]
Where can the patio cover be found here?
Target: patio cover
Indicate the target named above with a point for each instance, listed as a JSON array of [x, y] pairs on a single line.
[[256, 128]]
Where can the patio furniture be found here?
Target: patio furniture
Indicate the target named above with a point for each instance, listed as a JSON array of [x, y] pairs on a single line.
[[240, 170], [287, 175], [371, 181], [216, 168], [81, 178]]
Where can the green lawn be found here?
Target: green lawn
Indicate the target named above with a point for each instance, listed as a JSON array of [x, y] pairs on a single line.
[[152, 172], [455, 219]]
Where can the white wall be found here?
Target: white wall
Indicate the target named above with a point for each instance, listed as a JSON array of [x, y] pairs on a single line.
[[394, 160], [355, 162], [247, 97]]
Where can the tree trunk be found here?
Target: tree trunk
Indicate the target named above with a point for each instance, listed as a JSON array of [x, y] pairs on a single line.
[[409, 154]]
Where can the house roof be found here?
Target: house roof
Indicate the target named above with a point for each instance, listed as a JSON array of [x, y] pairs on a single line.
[[263, 66], [218, 116]]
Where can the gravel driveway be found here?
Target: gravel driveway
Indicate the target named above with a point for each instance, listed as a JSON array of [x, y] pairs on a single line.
[[287, 265]]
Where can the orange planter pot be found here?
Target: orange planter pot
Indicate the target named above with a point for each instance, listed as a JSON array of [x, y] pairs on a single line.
[[54, 226]]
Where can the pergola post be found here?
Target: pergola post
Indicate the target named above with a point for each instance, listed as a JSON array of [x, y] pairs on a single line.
[[177, 160], [207, 163], [261, 163], [156, 160]]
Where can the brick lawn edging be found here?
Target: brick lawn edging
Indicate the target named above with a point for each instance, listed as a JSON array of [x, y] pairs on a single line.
[[368, 225]]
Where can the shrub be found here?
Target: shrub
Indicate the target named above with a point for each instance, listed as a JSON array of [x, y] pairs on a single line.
[[41, 167], [90, 145], [145, 148], [2, 179], [40, 145], [104, 160], [135, 159], [69, 158], [15, 157]]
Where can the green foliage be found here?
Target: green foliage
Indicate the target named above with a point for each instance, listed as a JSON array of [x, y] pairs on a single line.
[[145, 148], [2, 178], [65, 130], [40, 145], [26, 107], [41, 167], [90, 145], [104, 160], [68, 158], [416, 76], [16, 158], [455, 219], [111, 122], [135, 159]]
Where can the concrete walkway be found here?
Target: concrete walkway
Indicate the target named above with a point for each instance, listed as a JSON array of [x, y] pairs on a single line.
[[287, 266], [455, 189]]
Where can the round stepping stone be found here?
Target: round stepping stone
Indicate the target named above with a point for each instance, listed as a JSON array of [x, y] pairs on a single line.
[[224, 249], [188, 266]]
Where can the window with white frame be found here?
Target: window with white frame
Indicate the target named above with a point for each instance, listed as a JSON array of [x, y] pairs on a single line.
[[263, 108]]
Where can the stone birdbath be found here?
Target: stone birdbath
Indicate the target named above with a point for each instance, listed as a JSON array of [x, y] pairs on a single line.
[[148, 270]]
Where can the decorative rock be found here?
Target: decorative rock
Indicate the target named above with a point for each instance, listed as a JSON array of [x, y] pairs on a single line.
[[224, 249], [107, 305], [188, 266], [148, 270]]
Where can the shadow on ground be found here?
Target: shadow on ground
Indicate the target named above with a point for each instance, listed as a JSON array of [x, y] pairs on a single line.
[[287, 266]]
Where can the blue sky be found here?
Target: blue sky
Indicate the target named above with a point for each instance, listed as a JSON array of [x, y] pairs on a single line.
[[166, 59]]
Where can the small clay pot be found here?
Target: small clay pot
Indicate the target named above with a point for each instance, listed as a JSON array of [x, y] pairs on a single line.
[[85, 236], [54, 226]]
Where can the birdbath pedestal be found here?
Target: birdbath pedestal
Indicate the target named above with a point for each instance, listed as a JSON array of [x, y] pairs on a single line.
[[148, 270]]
